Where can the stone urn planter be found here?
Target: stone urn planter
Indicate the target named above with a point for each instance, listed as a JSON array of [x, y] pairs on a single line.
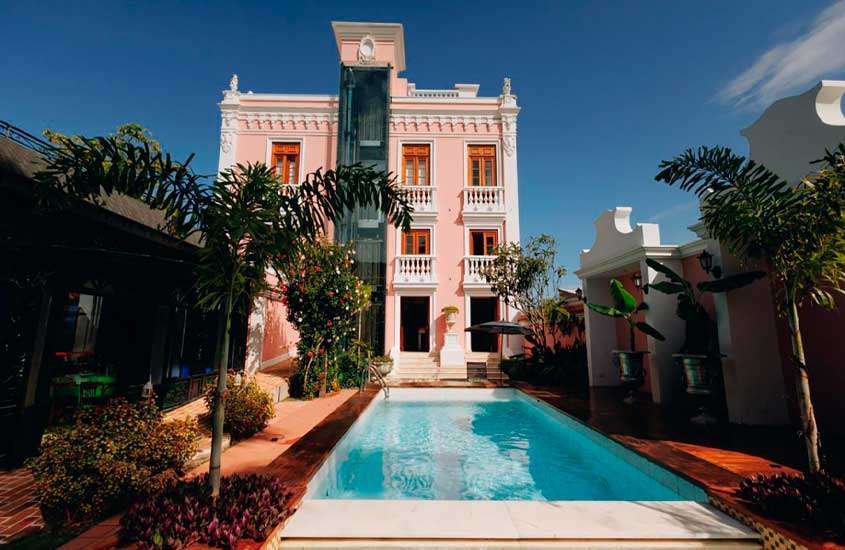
[[631, 371], [698, 376], [384, 364], [451, 313]]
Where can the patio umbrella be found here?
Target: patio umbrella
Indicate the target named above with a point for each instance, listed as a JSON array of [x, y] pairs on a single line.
[[498, 327]]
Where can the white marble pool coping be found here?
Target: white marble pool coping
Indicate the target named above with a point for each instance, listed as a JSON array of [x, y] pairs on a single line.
[[512, 520]]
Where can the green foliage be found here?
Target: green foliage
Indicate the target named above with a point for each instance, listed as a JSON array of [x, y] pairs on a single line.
[[248, 406], [625, 307], [799, 231], [559, 366], [527, 278], [323, 297], [106, 458], [701, 331]]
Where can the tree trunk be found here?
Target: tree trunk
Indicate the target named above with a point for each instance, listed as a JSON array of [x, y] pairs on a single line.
[[325, 376], [219, 405], [802, 382]]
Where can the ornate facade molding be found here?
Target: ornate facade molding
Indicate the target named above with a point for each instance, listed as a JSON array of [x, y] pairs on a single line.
[[290, 120], [444, 123]]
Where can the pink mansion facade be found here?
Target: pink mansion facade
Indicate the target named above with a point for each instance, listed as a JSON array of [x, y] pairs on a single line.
[[452, 149]]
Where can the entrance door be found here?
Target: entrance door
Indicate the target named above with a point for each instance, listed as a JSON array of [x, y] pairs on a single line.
[[414, 323], [482, 310]]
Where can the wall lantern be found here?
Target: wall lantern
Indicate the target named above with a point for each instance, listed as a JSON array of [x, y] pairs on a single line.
[[706, 261], [638, 280], [579, 294]]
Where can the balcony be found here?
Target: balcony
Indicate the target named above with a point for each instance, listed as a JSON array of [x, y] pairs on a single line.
[[414, 271], [474, 267], [423, 198], [484, 201]]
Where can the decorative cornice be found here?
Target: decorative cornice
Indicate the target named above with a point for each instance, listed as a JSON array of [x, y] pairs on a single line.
[[447, 123]]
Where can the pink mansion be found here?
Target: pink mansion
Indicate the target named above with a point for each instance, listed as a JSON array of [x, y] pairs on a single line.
[[456, 153]]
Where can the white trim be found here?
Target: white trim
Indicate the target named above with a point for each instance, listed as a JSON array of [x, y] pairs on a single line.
[[633, 256], [290, 354], [268, 154], [494, 101], [692, 248], [400, 169], [477, 225], [431, 226]]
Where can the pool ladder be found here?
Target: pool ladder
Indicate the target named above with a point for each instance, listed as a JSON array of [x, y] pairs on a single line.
[[379, 379]]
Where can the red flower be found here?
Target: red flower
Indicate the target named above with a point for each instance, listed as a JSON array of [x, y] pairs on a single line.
[[329, 323]]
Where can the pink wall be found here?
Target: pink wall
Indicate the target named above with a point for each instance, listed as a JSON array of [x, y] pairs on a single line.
[[694, 274], [824, 349], [280, 337]]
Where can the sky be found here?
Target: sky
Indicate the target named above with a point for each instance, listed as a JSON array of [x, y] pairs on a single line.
[[608, 89]]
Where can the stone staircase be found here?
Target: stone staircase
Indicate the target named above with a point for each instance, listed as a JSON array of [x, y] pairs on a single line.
[[425, 366]]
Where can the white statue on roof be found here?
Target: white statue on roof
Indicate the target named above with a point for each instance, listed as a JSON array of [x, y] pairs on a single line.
[[506, 86], [233, 84]]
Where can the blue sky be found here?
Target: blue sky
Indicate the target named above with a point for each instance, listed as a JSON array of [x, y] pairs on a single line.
[[608, 89]]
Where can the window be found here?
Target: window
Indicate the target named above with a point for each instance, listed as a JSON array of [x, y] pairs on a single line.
[[416, 164], [483, 242], [285, 162], [79, 328], [482, 165], [416, 242]]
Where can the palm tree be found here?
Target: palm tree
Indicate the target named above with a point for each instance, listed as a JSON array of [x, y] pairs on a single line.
[[797, 231], [246, 221]]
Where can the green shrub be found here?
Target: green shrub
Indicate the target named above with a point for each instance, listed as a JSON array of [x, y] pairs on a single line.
[[248, 406], [108, 457]]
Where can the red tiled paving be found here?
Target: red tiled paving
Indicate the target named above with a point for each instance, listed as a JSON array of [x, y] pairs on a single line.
[[292, 420], [716, 458], [19, 512]]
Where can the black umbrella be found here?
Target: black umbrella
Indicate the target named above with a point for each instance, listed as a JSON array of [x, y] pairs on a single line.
[[498, 327]]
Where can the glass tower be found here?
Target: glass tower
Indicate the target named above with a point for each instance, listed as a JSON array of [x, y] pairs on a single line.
[[364, 113]]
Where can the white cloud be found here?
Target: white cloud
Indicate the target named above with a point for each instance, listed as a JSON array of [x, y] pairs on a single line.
[[791, 65]]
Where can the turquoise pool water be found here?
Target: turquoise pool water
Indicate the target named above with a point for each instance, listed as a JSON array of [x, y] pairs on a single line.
[[485, 445]]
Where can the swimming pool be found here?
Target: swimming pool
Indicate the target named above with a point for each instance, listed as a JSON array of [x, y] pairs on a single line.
[[485, 445]]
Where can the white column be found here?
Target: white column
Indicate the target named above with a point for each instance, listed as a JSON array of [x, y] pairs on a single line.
[[663, 373], [508, 111], [601, 334], [229, 126]]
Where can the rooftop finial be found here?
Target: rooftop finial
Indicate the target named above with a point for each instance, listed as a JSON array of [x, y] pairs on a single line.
[[233, 84], [506, 86]]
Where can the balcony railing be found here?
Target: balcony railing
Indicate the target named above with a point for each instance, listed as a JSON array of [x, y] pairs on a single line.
[[484, 200], [422, 197], [474, 268], [414, 270]]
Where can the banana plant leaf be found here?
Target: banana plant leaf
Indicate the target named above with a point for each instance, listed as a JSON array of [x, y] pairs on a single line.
[[660, 268], [605, 310], [650, 330], [622, 299], [732, 282]]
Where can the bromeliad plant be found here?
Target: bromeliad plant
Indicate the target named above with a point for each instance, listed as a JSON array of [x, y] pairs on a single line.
[[797, 230], [246, 221]]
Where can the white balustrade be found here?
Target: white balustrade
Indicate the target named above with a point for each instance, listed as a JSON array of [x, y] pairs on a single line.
[[483, 199], [414, 269], [474, 268], [422, 197]]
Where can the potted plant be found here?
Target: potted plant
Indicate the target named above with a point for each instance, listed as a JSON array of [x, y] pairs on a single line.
[[699, 356], [384, 364], [451, 313], [630, 361]]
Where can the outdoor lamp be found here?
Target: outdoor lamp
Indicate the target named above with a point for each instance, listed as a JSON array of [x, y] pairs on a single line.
[[579, 294], [638, 280], [706, 261]]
